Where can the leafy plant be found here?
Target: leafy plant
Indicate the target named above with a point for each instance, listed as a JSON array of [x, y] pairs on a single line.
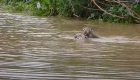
[[78, 8]]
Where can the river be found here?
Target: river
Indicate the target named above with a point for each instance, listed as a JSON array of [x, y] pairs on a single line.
[[44, 48]]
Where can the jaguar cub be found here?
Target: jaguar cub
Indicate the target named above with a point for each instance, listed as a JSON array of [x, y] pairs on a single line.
[[88, 33]]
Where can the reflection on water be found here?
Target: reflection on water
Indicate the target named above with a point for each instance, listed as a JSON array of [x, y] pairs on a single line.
[[41, 48]]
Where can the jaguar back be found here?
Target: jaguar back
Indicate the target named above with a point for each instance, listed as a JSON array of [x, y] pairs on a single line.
[[80, 36]]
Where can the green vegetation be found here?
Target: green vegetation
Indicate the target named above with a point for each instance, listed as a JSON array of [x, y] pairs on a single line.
[[90, 9], [119, 10]]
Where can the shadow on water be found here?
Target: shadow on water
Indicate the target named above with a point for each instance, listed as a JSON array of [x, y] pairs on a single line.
[[43, 48]]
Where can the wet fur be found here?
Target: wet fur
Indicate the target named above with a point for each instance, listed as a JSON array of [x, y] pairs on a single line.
[[88, 33], [80, 36]]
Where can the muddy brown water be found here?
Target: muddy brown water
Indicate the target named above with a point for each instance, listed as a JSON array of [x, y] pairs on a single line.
[[43, 48]]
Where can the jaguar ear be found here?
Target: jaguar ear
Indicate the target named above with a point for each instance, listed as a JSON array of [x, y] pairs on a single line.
[[91, 29]]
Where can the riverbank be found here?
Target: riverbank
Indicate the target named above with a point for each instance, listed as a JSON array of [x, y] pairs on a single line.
[[103, 11]]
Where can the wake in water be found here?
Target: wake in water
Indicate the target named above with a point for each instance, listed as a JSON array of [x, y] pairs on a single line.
[[117, 39]]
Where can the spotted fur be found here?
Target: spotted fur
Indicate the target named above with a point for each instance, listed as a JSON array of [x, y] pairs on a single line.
[[80, 36], [88, 33]]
